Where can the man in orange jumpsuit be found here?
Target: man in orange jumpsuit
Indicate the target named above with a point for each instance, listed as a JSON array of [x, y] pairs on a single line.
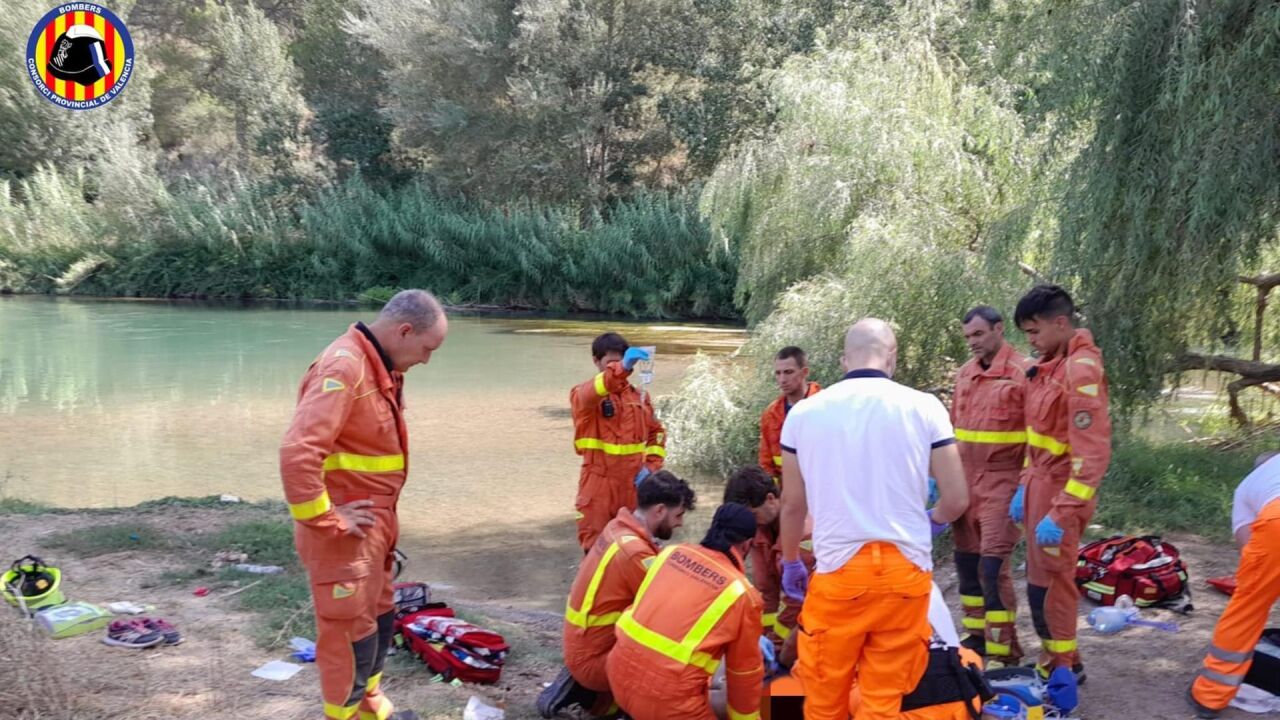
[[791, 372], [343, 462], [1255, 520], [617, 435], [1068, 450], [607, 582], [858, 455], [987, 411], [694, 611], [751, 486]]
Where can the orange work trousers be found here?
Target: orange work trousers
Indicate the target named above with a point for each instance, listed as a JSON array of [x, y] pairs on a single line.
[[354, 627], [1051, 573], [1238, 630], [985, 536], [599, 499], [866, 623]]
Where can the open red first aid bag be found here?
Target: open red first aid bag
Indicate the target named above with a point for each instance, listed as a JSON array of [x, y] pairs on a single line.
[[452, 647]]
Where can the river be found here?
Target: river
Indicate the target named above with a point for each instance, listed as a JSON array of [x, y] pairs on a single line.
[[110, 403]]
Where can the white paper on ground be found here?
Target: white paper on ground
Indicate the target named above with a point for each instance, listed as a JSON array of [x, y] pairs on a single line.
[[478, 709], [1256, 700], [276, 670]]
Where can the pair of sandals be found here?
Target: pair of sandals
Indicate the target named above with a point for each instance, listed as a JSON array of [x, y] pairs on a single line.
[[141, 633]]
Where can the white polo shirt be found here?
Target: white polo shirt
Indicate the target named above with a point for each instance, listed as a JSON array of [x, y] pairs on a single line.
[[863, 446], [1254, 492]]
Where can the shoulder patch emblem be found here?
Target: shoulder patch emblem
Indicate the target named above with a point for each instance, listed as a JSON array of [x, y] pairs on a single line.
[[1077, 464], [1090, 390], [343, 590], [1083, 420], [331, 385]]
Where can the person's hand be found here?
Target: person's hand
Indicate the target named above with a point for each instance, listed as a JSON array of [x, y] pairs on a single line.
[[769, 656], [1018, 507], [644, 473], [936, 527], [795, 579], [353, 518], [633, 356], [1048, 534]]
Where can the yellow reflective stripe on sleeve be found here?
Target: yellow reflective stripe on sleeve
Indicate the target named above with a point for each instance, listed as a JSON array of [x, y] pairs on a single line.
[[583, 618], [991, 437], [1059, 646], [971, 600], [781, 631], [1075, 488], [1087, 361], [1001, 616], [374, 680], [601, 390], [1044, 442], [777, 460], [1090, 390], [998, 649], [735, 715], [769, 619], [971, 623], [656, 450], [364, 463], [311, 508], [608, 448], [338, 712]]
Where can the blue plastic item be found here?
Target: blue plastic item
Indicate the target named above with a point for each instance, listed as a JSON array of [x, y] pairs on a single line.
[[1003, 707], [1061, 690]]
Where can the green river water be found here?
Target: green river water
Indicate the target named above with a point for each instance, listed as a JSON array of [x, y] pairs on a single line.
[[110, 403]]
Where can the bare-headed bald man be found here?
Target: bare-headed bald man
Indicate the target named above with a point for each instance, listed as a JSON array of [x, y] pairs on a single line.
[[858, 455]]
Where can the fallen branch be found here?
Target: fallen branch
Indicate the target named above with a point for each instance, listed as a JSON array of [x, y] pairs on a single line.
[[1251, 372], [237, 591], [288, 623]]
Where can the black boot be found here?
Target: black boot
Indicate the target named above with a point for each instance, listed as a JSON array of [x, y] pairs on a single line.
[[563, 692]]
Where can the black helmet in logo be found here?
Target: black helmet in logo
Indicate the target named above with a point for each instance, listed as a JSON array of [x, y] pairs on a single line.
[[79, 55]]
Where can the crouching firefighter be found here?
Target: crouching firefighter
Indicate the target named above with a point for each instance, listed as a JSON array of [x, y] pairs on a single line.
[[343, 463], [607, 582], [695, 611]]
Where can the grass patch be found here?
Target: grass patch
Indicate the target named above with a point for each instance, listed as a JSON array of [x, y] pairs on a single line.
[[1155, 487], [266, 542], [14, 506], [95, 540], [283, 603]]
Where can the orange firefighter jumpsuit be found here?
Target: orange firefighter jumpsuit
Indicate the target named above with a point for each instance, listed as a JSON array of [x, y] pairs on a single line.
[[771, 432], [607, 582], [780, 613], [1068, 450], [1238, 630], [870, 616], [987, 411], [695, 609], [348, 441], [616, 433]]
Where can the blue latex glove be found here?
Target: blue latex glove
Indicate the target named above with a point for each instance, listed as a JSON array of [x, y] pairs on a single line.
[[770, 656], [795, 579], [933, 492], [633, 356], [640, 476], [1061, 690], [936, 527], [1018, 507], [1048, 533]]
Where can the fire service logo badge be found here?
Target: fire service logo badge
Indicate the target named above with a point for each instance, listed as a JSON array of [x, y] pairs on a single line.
[[80, 56]]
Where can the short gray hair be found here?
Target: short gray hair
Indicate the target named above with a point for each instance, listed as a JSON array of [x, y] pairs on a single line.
[[419, 308]]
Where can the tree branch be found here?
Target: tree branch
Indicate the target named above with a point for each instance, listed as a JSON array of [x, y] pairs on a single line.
[[1262, 282], [1249, 369]]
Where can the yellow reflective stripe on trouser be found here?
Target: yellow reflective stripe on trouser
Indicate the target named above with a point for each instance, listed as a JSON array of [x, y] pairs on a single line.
[[364, 463], [777, 460], [1059, 646], [991, 437], [583, 618], [971, 600], [735, 715], [338, 712], [1001, 616], [768, 620], [998, 649], [385, 708], [1044, 442], [656, 450], [608, 448], [601, 390], [1078, 489], [781, 631], [971, 623], [311, 508], [373, 683]]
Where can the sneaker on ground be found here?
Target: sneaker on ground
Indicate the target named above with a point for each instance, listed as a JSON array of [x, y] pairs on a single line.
[[162, 626], [129, 634]]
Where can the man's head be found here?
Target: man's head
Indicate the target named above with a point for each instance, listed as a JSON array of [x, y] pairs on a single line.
[[731, 531], [984, 332], [1046, 315], [752, 487], [411, 326], [663, 499], [609, 347], [791, 370], [870, 345]]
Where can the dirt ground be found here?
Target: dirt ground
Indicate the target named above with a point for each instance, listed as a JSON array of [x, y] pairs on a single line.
[[1140, 673]]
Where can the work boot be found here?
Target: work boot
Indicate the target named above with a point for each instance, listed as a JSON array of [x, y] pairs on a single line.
[[404, 715], [563, 692], [1201, 711], [975, 643], [1077, 670]]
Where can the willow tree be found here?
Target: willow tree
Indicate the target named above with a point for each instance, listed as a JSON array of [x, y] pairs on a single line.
[[1176, 191]]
